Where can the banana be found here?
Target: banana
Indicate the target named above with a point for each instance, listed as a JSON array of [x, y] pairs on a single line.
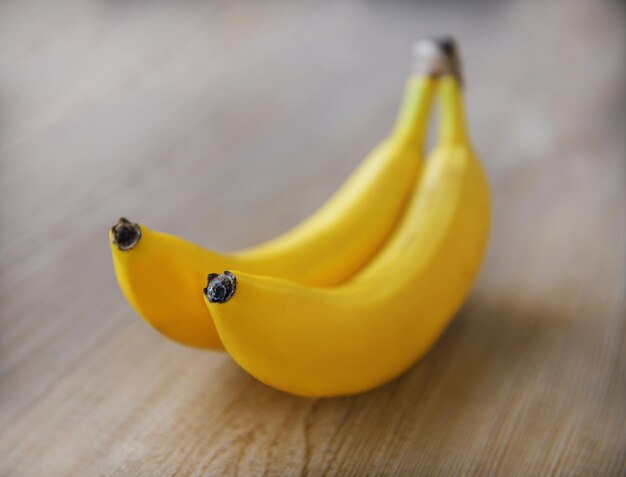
[[159, 274], [318, 342]]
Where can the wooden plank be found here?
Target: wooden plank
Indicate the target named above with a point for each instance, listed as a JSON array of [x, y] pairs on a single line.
[[152, 110]]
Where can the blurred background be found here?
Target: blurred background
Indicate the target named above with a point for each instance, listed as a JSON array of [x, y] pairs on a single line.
[[228, 123]]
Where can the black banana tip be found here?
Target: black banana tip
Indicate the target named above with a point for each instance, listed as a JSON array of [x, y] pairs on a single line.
[[126, 234], [220, 288], [447, 45]]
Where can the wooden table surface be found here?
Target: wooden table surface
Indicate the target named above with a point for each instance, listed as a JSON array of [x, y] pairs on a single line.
[[153, 109]]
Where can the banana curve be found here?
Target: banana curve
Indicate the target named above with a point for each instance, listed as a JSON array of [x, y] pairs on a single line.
[[326, 342], [161, 273]]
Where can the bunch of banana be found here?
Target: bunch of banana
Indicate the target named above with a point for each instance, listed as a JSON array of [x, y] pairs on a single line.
[[358, 292], [160, 274]]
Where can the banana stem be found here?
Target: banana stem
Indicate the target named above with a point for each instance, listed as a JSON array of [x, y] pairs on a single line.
[[453, 127], [432, 58], [442, 57], [413, 117], [437, 57]]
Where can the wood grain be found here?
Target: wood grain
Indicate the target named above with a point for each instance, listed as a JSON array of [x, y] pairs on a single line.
[[154, 109]]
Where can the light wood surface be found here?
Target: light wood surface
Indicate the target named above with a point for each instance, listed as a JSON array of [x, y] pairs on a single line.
[[154, 110]]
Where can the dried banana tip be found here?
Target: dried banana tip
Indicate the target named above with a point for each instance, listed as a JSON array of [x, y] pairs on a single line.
[[125, 234], [220, 288], [437, 56]]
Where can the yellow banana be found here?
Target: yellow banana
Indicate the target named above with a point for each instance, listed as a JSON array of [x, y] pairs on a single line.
[[326, 342], [160, 274]]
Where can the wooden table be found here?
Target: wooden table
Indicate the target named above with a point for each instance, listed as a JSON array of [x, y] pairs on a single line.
[[151, 110]]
